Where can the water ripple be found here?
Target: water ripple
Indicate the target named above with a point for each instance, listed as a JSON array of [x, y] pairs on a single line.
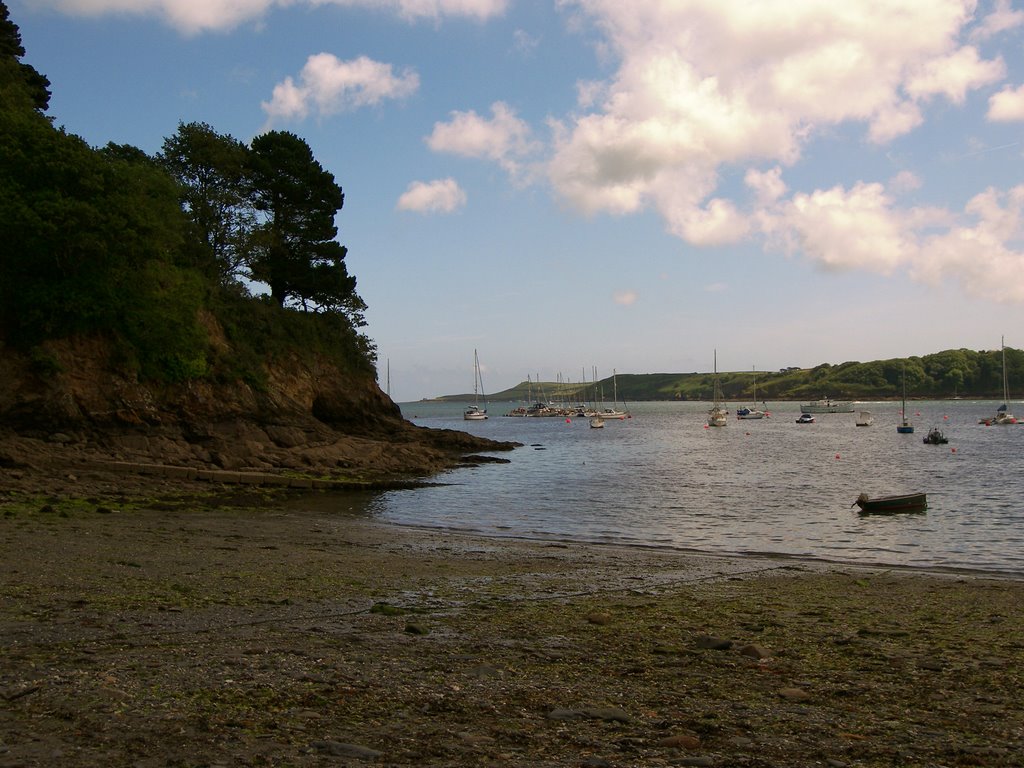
[[662, 479]]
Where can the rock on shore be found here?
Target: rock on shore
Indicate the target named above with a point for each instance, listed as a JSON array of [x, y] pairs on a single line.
[[311, 419]]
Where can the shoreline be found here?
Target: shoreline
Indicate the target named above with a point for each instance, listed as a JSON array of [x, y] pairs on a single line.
[[245, 628], [933, 570]]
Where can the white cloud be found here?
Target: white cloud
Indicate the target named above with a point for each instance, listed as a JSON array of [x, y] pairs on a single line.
[[440, 196], [503, 139], [625, 298], [719, 223], [525, 43], [706, 84], [894, 121], [430, 9], [1002, 19], [1007, 105], [190, 16], [953, 75], [840, 228], [862, 228], [768, 186], [328, 85], [981, 256], [904, 181], [193, 16]]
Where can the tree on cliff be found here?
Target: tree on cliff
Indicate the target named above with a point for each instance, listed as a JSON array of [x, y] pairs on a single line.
[[11, 50], [294, 250], [107, 244], [212, 171], [77, 225]]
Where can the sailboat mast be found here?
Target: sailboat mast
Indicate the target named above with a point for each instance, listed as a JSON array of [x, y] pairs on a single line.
[[717, 387], [1006, 394]]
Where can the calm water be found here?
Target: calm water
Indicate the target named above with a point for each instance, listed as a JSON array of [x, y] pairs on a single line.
[[769, 486]]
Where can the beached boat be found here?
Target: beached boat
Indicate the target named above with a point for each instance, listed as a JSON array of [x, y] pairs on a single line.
[[475, 412], [887, 505], [827, 405], [717, 416], [1003, 416]]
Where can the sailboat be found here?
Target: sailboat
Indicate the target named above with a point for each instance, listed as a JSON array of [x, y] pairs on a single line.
[[717, 416], [613, 412], [904, 427], [1003, 416], [752, 412], [475, 412]]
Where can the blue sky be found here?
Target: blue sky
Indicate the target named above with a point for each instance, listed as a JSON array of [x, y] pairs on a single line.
[[575, 184]]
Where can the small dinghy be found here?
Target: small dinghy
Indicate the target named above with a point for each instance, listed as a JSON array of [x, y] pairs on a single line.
[[887, 505]]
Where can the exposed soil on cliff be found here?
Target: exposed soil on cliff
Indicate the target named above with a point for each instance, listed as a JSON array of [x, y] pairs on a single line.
[[77, 410]]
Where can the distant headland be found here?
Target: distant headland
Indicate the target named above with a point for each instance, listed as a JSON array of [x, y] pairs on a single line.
[[953, 373]]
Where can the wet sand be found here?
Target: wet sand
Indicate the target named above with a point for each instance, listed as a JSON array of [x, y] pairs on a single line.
[[150, 626]]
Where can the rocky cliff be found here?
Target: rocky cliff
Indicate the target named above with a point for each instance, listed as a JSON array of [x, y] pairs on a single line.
[[71, 399]]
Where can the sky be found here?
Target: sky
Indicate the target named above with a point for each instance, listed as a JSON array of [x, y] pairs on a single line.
[[575, 185]]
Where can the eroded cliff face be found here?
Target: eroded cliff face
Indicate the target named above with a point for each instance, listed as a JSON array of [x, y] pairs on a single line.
[[308, 418]]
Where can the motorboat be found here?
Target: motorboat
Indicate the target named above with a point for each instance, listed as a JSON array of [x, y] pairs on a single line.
[[935, 437], [750, 413], [805, 418], [865, 419], [827, 405]]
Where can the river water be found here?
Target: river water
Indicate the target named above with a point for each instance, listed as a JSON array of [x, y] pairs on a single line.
[[663, 479]]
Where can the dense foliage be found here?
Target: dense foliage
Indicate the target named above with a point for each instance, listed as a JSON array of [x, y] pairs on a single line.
[[952, 373], [154, 252]]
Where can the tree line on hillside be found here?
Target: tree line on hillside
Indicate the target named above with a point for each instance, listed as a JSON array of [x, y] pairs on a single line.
[[947, 374], [145, 250]]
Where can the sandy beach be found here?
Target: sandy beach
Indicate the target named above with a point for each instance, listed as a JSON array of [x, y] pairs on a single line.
[[183, 626]]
